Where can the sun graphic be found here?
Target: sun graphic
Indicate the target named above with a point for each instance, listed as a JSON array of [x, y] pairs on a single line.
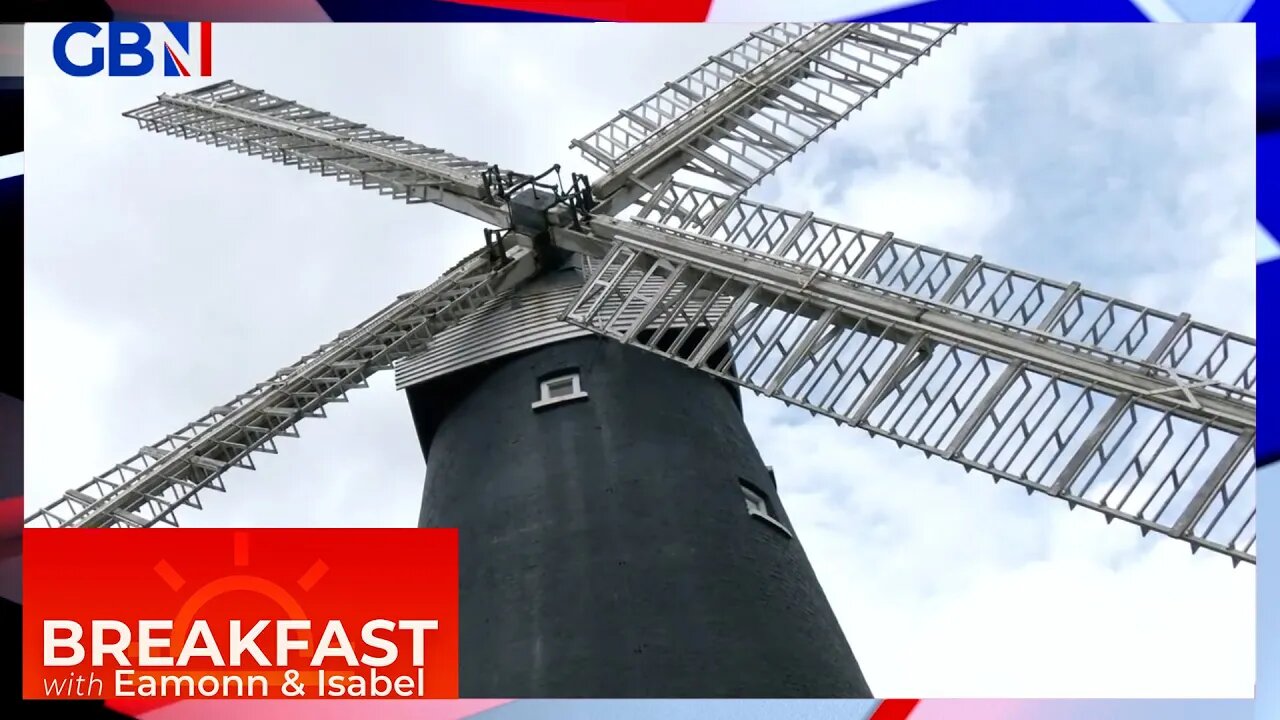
[[241, 582]]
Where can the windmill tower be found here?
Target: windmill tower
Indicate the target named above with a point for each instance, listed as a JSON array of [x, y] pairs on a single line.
[[574, 383]]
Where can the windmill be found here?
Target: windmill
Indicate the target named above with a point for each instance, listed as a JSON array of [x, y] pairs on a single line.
[[602, 344]]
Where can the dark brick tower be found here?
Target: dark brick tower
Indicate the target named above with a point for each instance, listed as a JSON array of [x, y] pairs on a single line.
[[621, 538]]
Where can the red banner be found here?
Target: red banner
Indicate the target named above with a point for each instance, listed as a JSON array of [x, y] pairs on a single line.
[[159, 615]]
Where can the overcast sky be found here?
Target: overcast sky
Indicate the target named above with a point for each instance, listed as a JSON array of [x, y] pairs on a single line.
[[164, 277]]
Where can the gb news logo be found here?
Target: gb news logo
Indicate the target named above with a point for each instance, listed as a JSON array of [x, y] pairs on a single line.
[[134, 49], [224, 613]]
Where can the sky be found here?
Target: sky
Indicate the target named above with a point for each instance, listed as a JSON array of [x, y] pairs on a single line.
[[164, 277]]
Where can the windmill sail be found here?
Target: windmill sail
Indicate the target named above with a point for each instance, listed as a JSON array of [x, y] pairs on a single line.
[[741, 114], [150, 486], [256, 123], [1132, 412]]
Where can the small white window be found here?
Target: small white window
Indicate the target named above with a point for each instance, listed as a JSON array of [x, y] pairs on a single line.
[[558, 389], [758, 507]]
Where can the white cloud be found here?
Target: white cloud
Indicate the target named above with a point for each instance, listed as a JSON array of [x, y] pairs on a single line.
[[68, 366], [930, 206], [187, 273]]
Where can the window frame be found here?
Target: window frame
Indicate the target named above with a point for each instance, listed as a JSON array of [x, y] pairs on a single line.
[[750, 492], [545, 383]]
